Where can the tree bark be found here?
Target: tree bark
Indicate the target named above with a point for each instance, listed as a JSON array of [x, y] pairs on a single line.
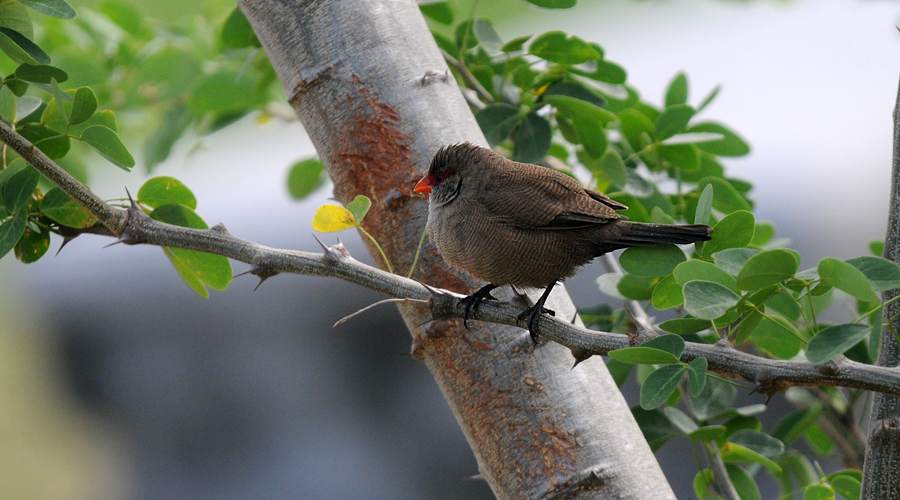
[[880, 478], [369, 84]]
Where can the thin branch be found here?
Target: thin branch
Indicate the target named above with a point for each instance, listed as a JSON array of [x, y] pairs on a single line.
[[467, 75], [136, 227], [372, 306]]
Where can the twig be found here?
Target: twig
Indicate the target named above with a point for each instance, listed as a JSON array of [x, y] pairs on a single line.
[[467, 75], [370, 306], [134, 226]]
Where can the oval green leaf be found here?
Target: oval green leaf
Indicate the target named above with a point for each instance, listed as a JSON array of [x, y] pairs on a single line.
[[12, 230], [760, 442], [555, 46], [32, 245], [658, 260], [158, 191], [833, 341], [60, 207], [497, 122], [778, 337], [683, 326], [708, 300], [730, 145], [667, 294], [193, 266], [83, 106], [673, 120], [848, 278], [695, 269], [643, 356], [660, 385], [818, 491], [108, 144], [19, 188], [734, 231], [532, 139], [304, 177], [40, 73], [697, 376], [882, 273], [706, 433], [767, 268], [670, 343]]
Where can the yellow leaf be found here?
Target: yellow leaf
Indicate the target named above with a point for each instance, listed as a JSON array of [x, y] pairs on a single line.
[[330, 218]]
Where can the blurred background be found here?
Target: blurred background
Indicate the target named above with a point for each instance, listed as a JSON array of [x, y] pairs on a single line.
[[117, 381]]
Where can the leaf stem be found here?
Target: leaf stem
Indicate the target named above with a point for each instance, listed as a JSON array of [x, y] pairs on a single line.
[[383, 256], [418, 251]]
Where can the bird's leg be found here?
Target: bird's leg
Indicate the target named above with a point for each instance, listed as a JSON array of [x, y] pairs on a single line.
[[472, 302], [534, 312]]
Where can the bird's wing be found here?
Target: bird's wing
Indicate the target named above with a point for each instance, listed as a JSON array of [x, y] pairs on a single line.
[[533, 197]]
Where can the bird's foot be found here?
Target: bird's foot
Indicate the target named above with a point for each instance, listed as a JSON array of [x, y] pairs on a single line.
[[473, 302], [532, 314]]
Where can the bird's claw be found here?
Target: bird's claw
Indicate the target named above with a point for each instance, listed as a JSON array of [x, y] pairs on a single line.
[[532, 314], [473, 302]]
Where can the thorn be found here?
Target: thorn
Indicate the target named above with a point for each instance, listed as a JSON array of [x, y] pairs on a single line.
[[248, 271], [66, 240], [323, 245], [261, 279], [129, 197], [111, 244], [579, 356], [219, 228]]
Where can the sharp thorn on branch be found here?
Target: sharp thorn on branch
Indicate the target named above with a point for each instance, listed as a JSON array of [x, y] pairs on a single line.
[[130, 199], [238, 275], [323, 245], [107, 246], [65, 241], [261, 279]]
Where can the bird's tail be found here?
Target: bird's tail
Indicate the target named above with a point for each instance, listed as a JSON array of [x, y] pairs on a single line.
[[638, 234]]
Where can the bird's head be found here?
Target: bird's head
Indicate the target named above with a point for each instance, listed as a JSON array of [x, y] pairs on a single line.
[[444, 177]]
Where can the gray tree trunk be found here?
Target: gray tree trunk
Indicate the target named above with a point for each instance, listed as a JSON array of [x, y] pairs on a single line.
[[881, 472], [355, 72]]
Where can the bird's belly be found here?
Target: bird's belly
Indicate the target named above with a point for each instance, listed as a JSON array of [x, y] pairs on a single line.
[[504, 255]]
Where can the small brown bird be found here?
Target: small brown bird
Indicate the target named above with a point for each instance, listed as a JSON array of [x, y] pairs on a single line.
[[512, 223]]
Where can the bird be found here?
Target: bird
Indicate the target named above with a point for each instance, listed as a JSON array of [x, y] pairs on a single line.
[[529, 226]]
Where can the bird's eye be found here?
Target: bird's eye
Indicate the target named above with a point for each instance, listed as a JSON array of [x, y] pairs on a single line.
[[439, 177]]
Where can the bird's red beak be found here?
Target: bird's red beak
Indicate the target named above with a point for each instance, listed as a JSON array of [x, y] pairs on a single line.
[[424, 185]]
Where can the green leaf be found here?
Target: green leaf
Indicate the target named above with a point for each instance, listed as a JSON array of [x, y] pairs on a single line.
[[708, 300], [196, 268], [555, 46], [763, 234], [515, 45], [848, 278], [667, 294], [733, 259], [553, 4], [610, 167], [715, 398], [726, 198], [40, 73], [304, 177], [32, 245], [60, 97], [226, 91], [707, 432], [876, 247], [486, 35], [126, 16], [846, 486], [158, 191], [704, 206], [636, 287], [633, 124], [19, 188], [359, 207], [12, 230], [576, 90], [683, 326], [108, 144], [20, 49], [818, 491], [703, 482], [576, 108], [669, 343], [767, 268], [674, 120], [657, 260], [60, 207], [759, 442], [743, 482], [677, 92], [237, 32], [7, 104], [734, 231], [636, 211], [497, 122], [701, 270], [709, 98], [643, 356], [532, 139], [778, 337], [159, 143], [730, 145], [747, 326], [882, 273], [55, 147], [697, 376], [660, 384], [83, 106], [732, 452], [655, 427], [683, 156], [834, 340], [441, 12], [53, 8]]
